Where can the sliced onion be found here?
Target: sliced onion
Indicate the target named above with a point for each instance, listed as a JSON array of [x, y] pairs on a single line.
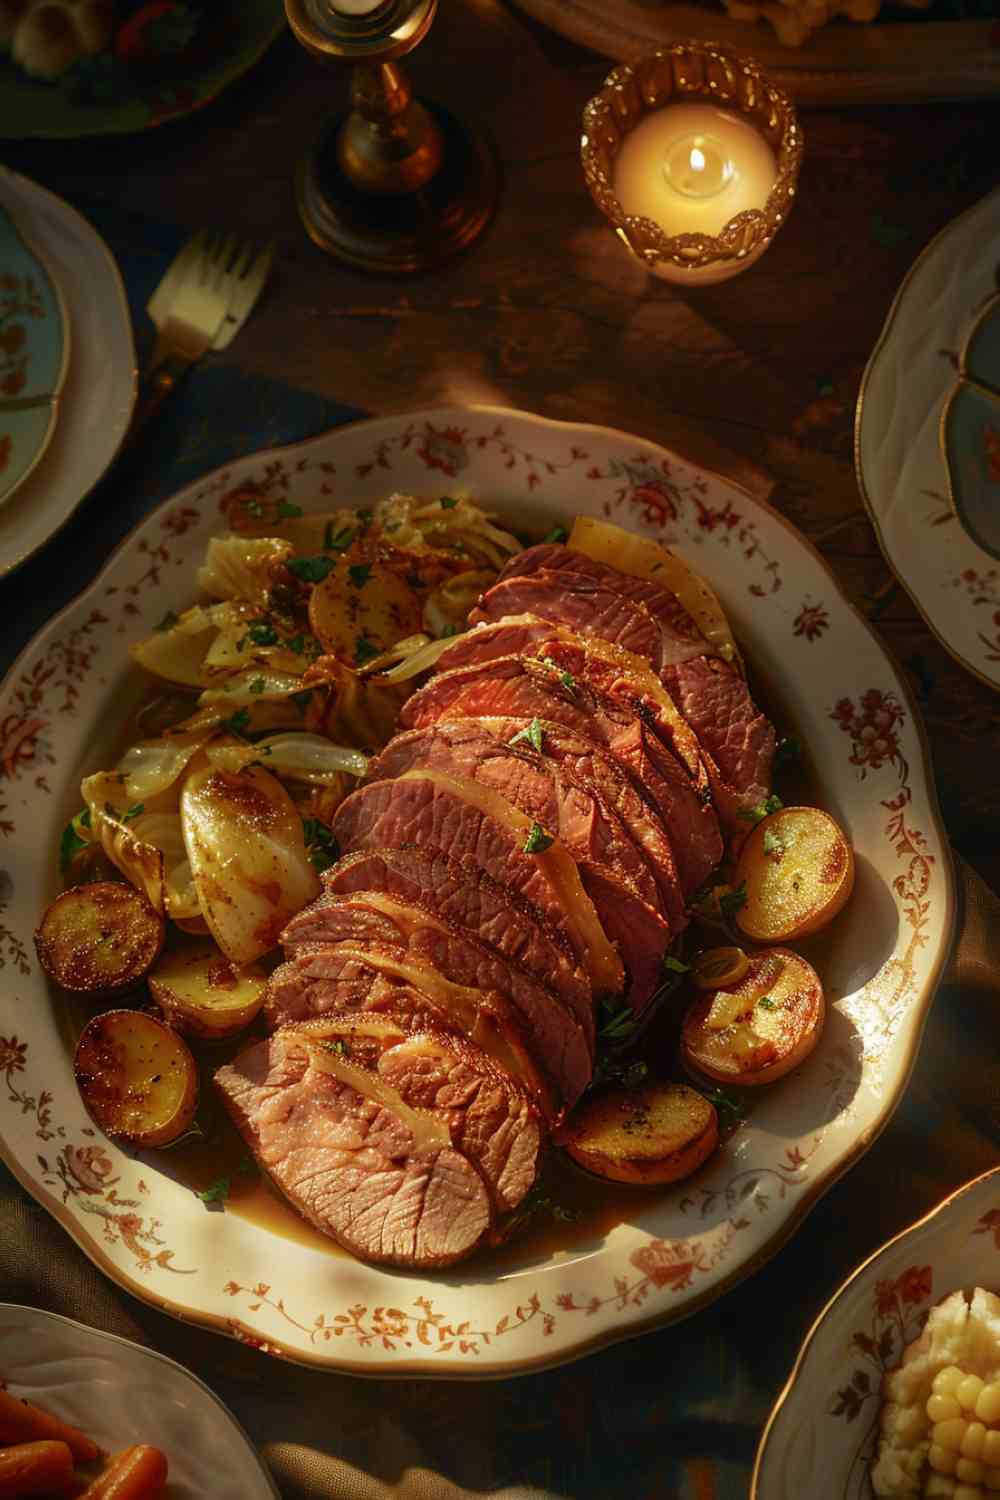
[[152, 766], [446, 609], [301, 757], [419, 661], [643, 558], [260, 683], [240, 567]]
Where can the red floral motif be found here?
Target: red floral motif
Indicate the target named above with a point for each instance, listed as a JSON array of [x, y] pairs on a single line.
[[811, 621], [668, 1262], [899, 1312], [18, 742], [443, 448], [873, 727], [990, 1224], [19, 298], [13, 1055], [91, 1166]]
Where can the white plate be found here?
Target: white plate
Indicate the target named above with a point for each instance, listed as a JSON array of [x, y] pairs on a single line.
[[898, 450], [822, 1434], [682, 1247], [120, 1394], [99, 393]]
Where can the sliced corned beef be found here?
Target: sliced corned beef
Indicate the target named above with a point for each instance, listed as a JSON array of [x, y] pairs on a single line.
[[733, 733]]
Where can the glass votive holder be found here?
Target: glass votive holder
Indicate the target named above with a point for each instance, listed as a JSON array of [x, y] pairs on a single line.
[[705, 152]]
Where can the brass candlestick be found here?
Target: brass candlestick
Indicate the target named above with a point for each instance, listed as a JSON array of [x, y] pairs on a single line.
[[395, 184]]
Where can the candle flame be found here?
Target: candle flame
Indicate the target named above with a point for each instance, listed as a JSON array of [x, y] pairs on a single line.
[[697, 160]]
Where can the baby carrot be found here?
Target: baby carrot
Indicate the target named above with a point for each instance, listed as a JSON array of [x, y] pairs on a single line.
[[43, 1468], [136, 1473], [20, 1422]]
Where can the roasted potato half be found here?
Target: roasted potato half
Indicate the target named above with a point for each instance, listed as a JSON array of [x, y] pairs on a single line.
[[758, 1029], [798, 870], [653, 1135], [99, 938], [137, 1078], [202, 994], [361, 608]]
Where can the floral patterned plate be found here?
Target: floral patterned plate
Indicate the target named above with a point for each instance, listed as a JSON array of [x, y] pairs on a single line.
[[120, 1393], [678, 1248], [822, 1435], [941, 330], [34, 352]]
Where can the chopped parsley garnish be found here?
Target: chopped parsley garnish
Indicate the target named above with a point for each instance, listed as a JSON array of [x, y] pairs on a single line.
[[447, 503], [70, 842], [336, 1045], [786, 750], [763, 810], [310, 569], [538, 840], [238, 723], [321, 846], [260, 633], [558, 534], [134, 811], [675, 965], [730, 1107], [622, 1075], [287, 511], [730, 902], [366, 517], [448, 632], [772, 843], [337, 541], [365, 650], [255, 508], [615, 1023], [533, 733], [216, 1192], [168, 622], [296, 643], [257, 685], [359, 574], [566, 678], [768, 1002]]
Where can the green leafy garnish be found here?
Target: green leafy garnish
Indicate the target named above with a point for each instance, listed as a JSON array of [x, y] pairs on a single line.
[[763, 810], [730, 902], [238, 723], [134, 811], [256, 508], [216, 1192], [622, 1075], [730, 1107], [70, 842], [447, 503], [768, 1002], [168, 622], [772, 843], [296, 643], [675, 965], [321, 846], [287, 511], [366, 517], [557, 534], [257, 685], [533, 733], [261, 633], [448, 631], [538, 840], [359, 574], [566, 678], [310, 569], [337, 541], [615, 1023], [365, 650], [336, 1045]]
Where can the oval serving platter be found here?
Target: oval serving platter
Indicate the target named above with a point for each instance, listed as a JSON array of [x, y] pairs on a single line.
[[34, 355], [822, 1434], [681, 1247]]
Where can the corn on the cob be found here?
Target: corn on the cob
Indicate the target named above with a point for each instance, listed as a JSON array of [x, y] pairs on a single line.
[[964, 1452]]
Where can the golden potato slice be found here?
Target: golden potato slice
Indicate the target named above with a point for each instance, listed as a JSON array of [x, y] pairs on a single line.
[[657, 1134], [361, 608], [762, 1027], [798, 870], [202, 994], [99, 938], [136, 1077]]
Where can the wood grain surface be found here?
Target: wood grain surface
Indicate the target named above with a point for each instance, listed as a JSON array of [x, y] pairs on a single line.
[[757, 377]]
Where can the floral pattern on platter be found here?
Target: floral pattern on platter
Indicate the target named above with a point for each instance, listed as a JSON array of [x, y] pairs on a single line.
[[50, 706], [811, 621]]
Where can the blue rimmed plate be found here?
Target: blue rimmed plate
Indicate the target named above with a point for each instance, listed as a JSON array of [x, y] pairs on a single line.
[[34, 356]]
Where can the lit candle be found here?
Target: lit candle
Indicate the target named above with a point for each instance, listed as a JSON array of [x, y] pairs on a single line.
[[691, 167]]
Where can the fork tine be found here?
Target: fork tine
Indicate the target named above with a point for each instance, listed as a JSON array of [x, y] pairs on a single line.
[[245, 291], [182, 263]]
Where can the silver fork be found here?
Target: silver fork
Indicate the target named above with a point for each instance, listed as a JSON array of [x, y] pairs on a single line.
[[202, 302]]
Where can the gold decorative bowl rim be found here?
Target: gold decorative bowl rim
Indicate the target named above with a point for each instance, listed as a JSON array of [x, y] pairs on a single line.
[[715, 73]]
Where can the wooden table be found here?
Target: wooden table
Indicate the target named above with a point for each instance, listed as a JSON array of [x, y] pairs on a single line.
[[757, 377]]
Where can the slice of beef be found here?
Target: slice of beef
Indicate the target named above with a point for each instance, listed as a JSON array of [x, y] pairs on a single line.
[[678, 626], [517, 686], [460, 818], [468, 984], [460, 892], [383, 1180], [582, 763], [575, 812], [734, 735], [586, 607]]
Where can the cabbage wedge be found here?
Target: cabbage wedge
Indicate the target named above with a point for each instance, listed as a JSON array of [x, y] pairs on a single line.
[[246, 844]]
